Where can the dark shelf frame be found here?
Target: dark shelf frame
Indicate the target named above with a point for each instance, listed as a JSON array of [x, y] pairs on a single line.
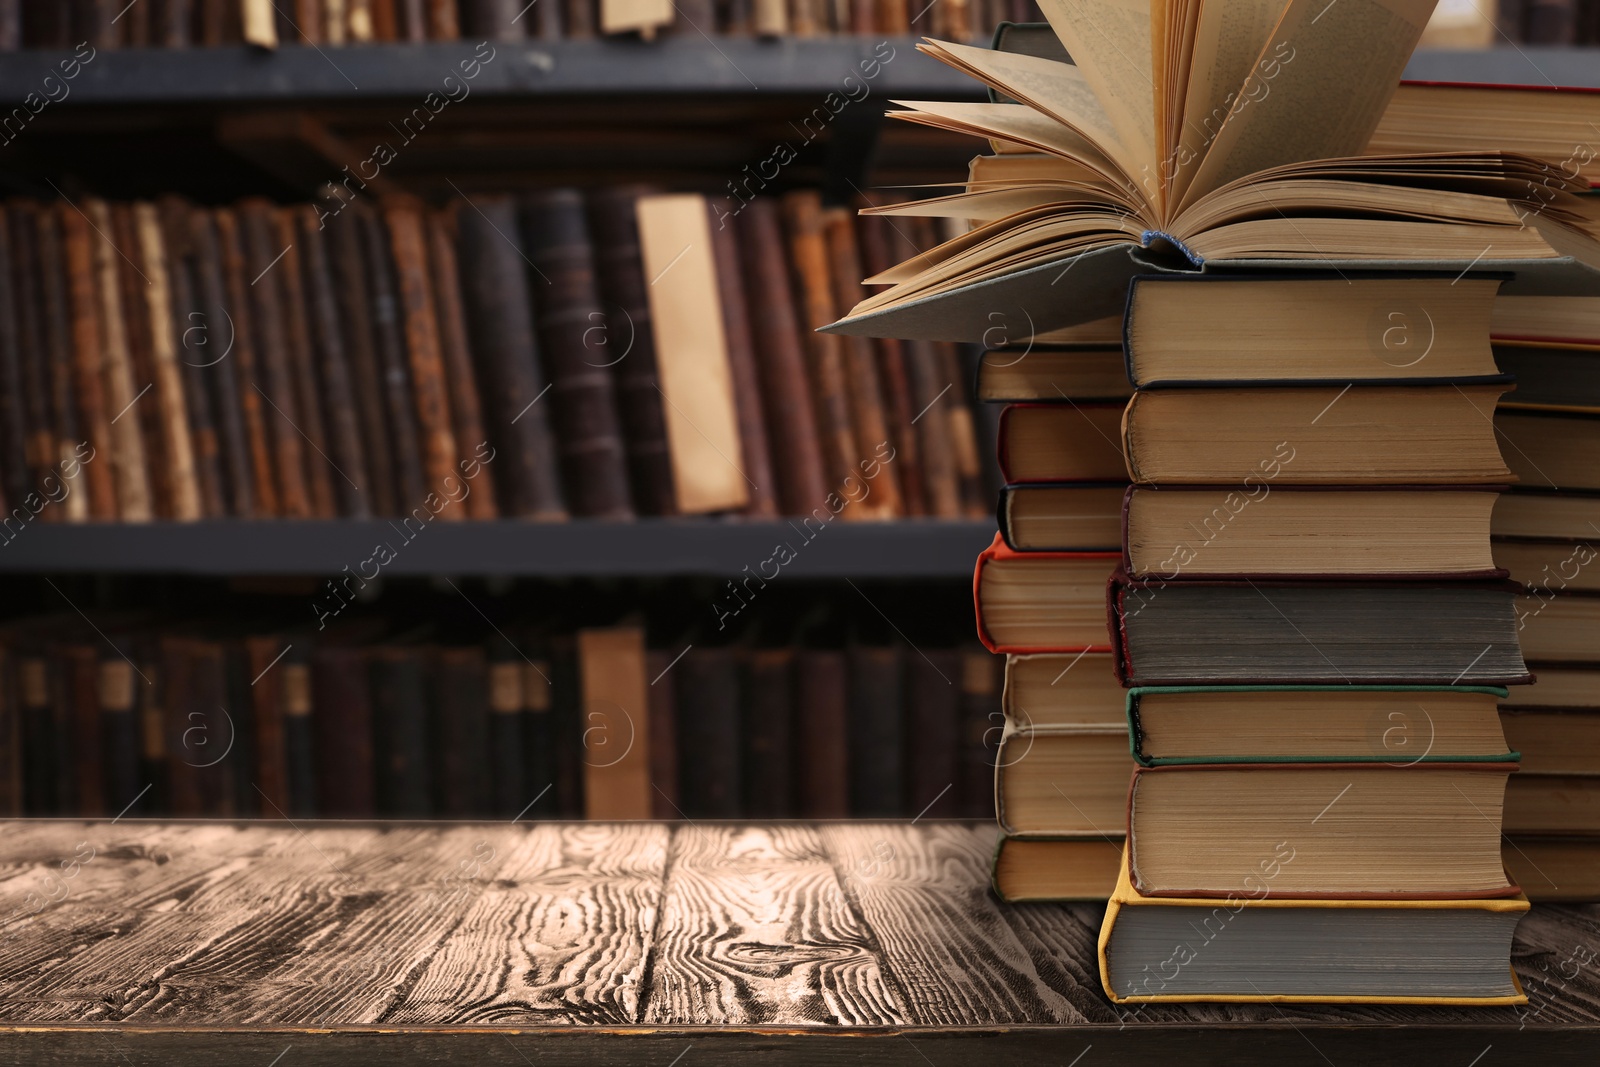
[[607, 68], [651, 547], [597, 68]]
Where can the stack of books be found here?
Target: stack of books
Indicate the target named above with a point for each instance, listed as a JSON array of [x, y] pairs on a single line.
[[1306, 610], [1547, 535]]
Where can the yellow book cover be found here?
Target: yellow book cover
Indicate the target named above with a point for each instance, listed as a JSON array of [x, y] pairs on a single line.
[[1255, 893]]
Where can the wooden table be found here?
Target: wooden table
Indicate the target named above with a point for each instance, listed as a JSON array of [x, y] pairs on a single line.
[[654, 945]]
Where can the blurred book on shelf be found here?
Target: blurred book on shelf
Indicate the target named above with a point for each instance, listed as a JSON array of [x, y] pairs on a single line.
[[323, 23], [556, 702], [554, 354]]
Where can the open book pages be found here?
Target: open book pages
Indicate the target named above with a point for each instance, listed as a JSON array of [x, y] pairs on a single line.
[[1200, 134]]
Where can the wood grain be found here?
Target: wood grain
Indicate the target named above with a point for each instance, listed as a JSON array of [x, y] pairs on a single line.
[[635, 943], [560, 935], [907, 880], [755, 929]]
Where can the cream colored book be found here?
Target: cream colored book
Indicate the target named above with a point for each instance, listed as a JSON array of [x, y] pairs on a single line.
[[1192, 136]]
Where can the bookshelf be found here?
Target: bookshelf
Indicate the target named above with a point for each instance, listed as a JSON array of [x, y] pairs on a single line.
[[921, 548]]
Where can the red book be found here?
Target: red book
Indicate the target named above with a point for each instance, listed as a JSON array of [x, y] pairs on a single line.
[[1042, 601]]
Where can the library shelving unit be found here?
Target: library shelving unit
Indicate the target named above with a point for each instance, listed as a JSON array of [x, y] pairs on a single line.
[[634, 943]]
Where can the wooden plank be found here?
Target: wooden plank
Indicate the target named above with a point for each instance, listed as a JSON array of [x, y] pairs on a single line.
[[907, 881], [560, 935], [755, 930], [231, 942]]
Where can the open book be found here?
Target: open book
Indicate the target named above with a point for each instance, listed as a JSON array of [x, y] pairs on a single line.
[[1190, 135]]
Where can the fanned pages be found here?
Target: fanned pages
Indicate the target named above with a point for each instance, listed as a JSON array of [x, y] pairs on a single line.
[[1183, 135]]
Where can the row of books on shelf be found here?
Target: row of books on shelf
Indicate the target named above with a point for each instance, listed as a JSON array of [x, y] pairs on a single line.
[[541, 356], [187, 23], [1287, 496], [209, 719], [1537, 22]]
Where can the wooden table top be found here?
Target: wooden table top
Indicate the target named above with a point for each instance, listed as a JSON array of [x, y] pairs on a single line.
[[640, 943]]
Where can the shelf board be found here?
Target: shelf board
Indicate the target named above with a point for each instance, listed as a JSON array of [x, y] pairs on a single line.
[[607, 68], [615, 68], [911, 549]]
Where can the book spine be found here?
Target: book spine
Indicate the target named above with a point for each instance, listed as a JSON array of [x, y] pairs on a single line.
[[341, 693], [173, 22], [443, 21], [360, 20], [497, 20], [462, 681], [580, 19], [868, 411], [551, 694], [336, 22], [132, 280], [66, 438], [791, 420], [41, 785], [291, 278], [876, 728], [588, 432], [154, 761], [294, 498], [403, 751], [754, 448], [334, 382], [768, 728], [79, 719], [806, 18], [346, 256], [87, 355], [770, 18], [310, 17], [709, 769], [16, 470], [191, 352], [10, 25], [127, 442], [695, 17], [507, 740], [414, 19], [974, 460], [621, 269], [894, 17], [500, 324], [385, 20], [466, 407], [259, 24], [1551, 22], [933, 733], [245, 364], [808, 249], [616, 726], [11, 740], [736, 17], [391, 351], [119, 726], [271, 768], [428, 384], [893, 361], [822, 702], [200, 729], [29, 310], [299, 740], [220, 332], [665, 800], [980, 732]]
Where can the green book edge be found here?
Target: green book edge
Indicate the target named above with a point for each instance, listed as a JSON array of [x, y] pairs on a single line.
[[1131, 706]]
